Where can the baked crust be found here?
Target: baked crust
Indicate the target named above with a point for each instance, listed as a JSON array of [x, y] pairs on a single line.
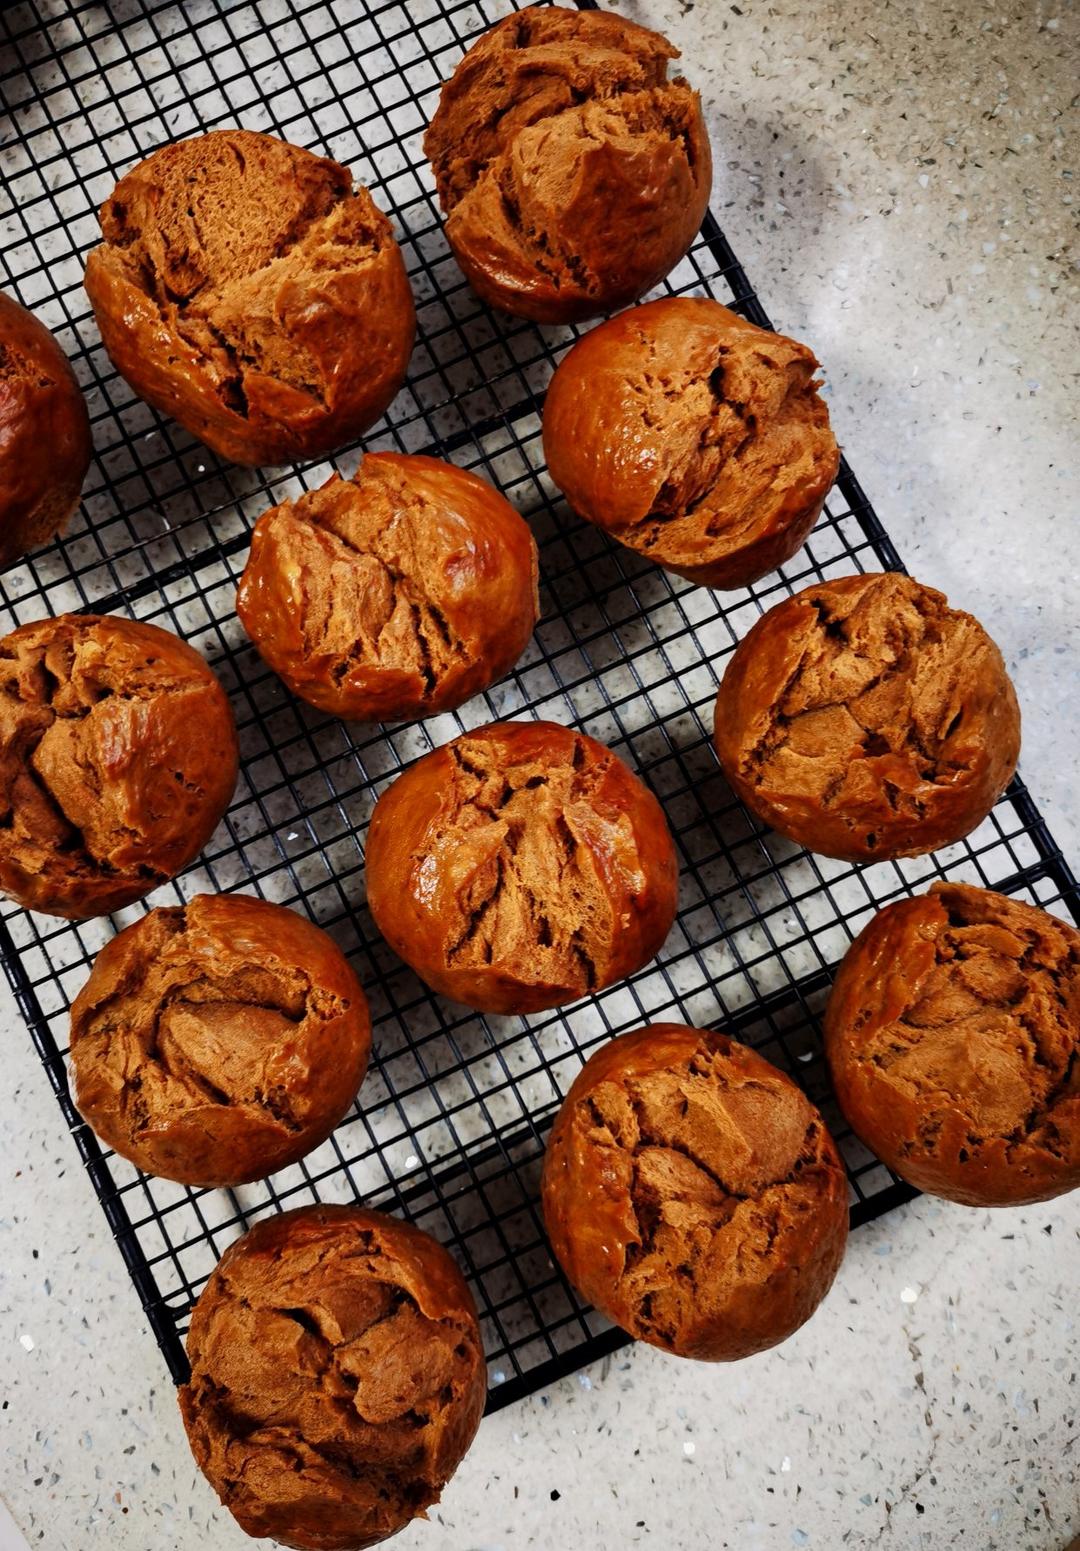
[[44, 434], [953, 1034], [118, 758], [573, 173], [246, 288], [693, 1194], [521, 866], [401, 592], [337, 1377], [693, 437], [866, 719], [217, 1042]]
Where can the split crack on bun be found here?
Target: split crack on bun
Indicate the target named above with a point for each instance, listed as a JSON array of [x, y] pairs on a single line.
[[693, 1193], [400, 592], [217, 1042], [573, 172], [247, 288], [521, 866], [694, 438], [337, 1377], [953, 1033], [118, 757], [866, 719]]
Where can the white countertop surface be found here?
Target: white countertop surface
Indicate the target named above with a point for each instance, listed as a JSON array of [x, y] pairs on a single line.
[[898, 182]]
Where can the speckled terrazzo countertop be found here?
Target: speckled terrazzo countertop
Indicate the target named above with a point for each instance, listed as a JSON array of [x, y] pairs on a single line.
[[898, 181]]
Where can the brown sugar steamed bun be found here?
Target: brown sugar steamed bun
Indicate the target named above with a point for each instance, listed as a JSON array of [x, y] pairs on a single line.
[[399, 593], [692, 437], [521, 866], [118, 757], [217, 1042], [573, 173], [866, 719], [246, 288], [337, 1377], [44, 434], [693, 1194], [953, 1034]]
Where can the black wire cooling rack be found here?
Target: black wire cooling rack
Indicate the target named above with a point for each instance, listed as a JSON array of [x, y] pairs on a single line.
[[452, 1117]]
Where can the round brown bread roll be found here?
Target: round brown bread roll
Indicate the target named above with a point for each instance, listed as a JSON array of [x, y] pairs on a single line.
[[574, 174], [692, 1193], [401, 592], [118, 757], [218, 1042], [337, 1377], [247, 289], [521, 866], [866, 719], [44, 434], [692, 437], [953, 1034]]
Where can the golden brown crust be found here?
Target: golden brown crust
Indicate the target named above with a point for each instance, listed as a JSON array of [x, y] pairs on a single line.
[[247, 289], [218, 1042], [401, 592], [693, 437], [118, 757], [692, 1193], [574, 174], [337, 1377], [521, 866], [44, 434], [866, 719], [953, 1034]]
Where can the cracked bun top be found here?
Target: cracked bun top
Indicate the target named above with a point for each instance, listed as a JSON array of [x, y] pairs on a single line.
[[216, 1042], [118, 757], [864, 718], [246, 288], [521, 866], [337, 1377], [573, 173], [44, 434], [693, 1194], [953, 1034], [693, 437], [399, 593]]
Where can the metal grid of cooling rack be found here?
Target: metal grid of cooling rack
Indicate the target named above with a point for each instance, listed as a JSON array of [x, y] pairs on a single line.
[[451, 1122]]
